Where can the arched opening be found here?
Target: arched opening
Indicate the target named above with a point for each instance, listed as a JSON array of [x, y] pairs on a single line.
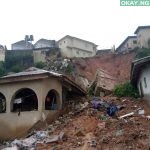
[[2, 103], [24, 100], [52, 101]]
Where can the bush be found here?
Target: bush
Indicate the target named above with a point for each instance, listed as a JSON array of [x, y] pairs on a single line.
[[40, 65], [69, 69], [126, 89], [91, 91], [2, 68], [142, 53], [16, 68]]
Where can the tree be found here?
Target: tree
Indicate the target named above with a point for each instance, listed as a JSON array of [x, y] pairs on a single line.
[[2, 68], [142, 53], [40, 64]]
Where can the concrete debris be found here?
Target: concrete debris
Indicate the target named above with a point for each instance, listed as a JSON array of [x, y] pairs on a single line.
[[86, 127], [141, 112], [11, 148], [54, 138]]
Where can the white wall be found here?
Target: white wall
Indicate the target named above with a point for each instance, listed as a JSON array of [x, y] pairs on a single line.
[[143, 36], [72, 47], [145, 73], [129, 45], [2, 55]]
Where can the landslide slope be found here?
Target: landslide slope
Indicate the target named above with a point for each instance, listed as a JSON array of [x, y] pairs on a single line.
[[118, 65]]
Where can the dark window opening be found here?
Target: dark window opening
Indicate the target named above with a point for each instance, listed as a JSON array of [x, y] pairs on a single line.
[[51, 101], [141, 89], [134, 42], [145, 82], [2, 103], [25, 100]]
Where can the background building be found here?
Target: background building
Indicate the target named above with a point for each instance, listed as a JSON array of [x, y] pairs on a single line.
[[75, 47], [130, 43], [143, 36], [2, 53], [42, 43]]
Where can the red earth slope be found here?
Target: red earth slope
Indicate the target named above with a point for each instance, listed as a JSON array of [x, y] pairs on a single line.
[[118, 65]]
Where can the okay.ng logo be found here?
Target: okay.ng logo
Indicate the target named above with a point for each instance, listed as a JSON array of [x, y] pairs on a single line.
[[134, 2]]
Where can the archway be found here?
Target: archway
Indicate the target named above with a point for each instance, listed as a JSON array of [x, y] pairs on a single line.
[[24, 100], [52, 100], [2, 103]]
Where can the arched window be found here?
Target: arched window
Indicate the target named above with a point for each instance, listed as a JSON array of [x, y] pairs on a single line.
[[52, 100], [2, 103], [24, 100]]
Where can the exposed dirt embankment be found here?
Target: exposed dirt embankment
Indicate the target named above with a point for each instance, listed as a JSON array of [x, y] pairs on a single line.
[[118, 65]]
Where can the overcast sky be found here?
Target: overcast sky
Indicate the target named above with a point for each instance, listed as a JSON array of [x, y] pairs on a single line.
[[103, 22]]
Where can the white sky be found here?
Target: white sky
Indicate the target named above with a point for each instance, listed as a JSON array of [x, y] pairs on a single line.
[[103, 22]]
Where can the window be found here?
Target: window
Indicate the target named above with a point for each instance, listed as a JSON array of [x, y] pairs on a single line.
[[134, 41], [24, 100], [77, 52], [139, 35], [141, 89], [145, 82], [52, 100], [86, 45], [2, 103]]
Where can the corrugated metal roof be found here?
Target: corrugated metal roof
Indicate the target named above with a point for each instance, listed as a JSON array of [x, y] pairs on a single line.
[[137, 65], [31, 71]]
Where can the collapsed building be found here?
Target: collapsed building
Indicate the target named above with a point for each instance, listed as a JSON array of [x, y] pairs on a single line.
[[30, 96], [103, 83]]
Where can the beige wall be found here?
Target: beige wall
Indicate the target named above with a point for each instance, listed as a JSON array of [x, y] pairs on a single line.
[[2, 55], [13, 125], [39, 55], [143, 36], [72, 47]]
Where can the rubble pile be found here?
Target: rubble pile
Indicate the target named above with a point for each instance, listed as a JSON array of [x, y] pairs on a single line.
[[107, 123]]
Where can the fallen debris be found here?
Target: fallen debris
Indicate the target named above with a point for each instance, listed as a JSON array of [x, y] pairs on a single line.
[[127, 115], [88, 128]]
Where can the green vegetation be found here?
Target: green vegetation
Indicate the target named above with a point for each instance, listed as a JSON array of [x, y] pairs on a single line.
[[2, 105], [126, 89], [18, 60], [40, 64], [142, 53], [70, 68], [2, 68], [91, 91], [16, 68]]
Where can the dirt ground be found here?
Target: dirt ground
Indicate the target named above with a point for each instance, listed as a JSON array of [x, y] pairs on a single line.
[[92, 129]]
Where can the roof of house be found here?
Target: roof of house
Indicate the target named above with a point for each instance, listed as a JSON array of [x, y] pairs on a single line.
[[136, 67], [129, 37], [103, 51], [1, 47], [24, 43], [77, 39], [141, 27], [34, 72]]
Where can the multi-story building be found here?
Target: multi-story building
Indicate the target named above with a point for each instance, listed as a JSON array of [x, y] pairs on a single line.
[[143, 36], [75, 47], [2, 53], [43, 43], [130, 43]]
